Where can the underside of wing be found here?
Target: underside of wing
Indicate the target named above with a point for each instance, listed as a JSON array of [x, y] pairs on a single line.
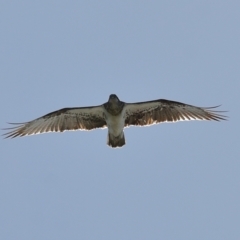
[[157, 111], [86, 118]]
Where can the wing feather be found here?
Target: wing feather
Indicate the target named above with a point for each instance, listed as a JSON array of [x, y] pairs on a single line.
[[86, 118], [157, 111]]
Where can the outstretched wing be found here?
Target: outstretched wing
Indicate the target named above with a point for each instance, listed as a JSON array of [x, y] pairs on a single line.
[[86, 118], [152, 112]]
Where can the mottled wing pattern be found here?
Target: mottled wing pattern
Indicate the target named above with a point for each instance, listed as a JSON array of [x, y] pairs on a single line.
[[86, 118], [157, 111]]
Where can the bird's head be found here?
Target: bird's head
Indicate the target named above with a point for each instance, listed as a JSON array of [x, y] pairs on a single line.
[[113, 98]]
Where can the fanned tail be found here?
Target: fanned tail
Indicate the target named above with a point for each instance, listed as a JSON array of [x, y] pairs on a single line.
[[114, 142]]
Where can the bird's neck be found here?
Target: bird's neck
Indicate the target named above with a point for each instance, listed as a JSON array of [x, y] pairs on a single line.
[[114, 108]]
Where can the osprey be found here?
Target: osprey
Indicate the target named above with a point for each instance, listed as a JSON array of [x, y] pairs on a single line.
[[114, 115]]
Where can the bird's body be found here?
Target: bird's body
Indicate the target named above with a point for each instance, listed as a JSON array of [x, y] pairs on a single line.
[[115, 115]]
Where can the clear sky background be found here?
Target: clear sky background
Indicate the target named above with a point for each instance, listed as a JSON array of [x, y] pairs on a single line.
[[171, 181]]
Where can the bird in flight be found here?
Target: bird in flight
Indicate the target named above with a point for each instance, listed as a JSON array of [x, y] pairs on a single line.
[[114, 115]]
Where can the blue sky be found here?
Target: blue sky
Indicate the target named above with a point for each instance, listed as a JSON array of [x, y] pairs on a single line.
[[171, 181]]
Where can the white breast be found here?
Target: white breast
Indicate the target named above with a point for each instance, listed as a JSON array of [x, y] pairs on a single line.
[[115, 123]]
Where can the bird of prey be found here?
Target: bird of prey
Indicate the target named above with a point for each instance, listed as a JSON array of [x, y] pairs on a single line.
[[114, 115]]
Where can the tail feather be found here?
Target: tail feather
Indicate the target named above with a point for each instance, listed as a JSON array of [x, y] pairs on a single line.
[[118, 141]]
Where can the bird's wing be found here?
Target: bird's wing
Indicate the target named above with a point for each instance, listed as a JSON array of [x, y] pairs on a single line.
[[157, 111], [86, 118]]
